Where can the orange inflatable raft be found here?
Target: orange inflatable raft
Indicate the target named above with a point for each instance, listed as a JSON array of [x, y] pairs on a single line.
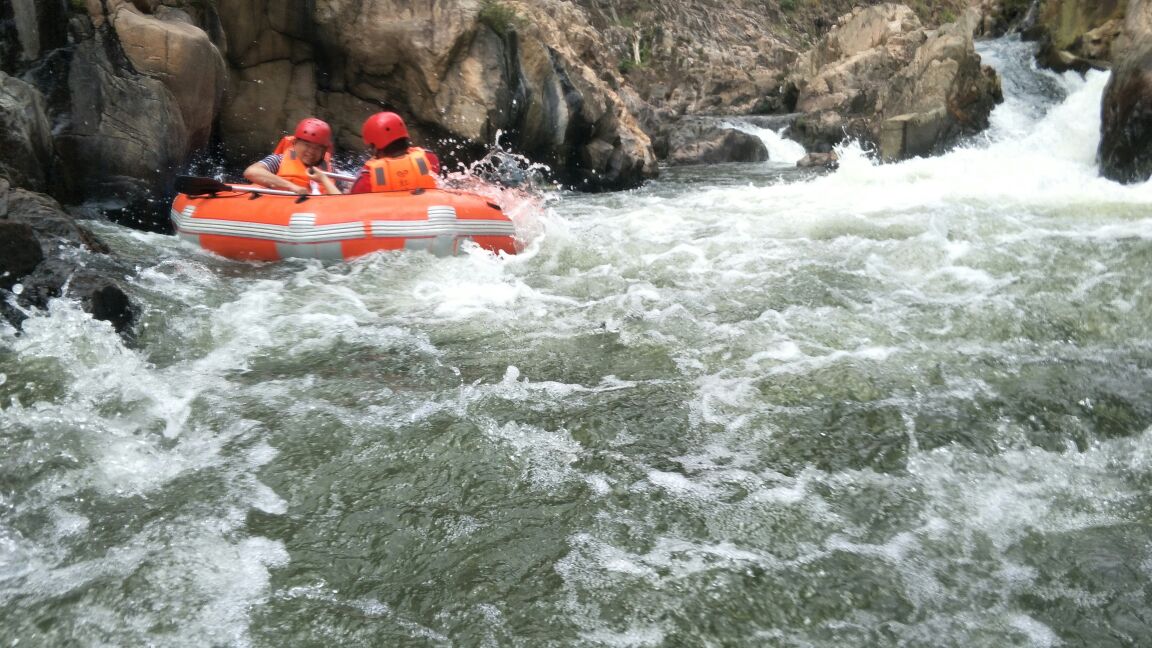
[[248, 223]]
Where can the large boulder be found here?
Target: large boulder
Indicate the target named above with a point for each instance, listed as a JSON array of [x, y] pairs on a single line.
[[1137, 28], [25, 135], [128, 97], [840, 80], [167, 46], [123, 134], [943, 94], [1125, 152], [265, 102], [880, 77], [572, 119], [708, 141], [273, 80]]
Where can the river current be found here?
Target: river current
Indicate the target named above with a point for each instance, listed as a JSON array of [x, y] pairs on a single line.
[[890, 405]]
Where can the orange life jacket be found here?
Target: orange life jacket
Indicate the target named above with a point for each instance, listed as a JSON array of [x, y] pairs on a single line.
[[294, 171], [410, 171]]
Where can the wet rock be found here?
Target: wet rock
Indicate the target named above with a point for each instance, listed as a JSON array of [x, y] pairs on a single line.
[[828, 160], [168, 47], [39, 26], [1125, 151], [124, 133], [106, 301], [708, 141], [1000, 17], [20, 252], [25, 135], [943, 94], [44, 250]]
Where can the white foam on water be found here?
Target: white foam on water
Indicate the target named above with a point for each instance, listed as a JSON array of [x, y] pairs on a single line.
[[130, 431], [781, 150], [546, 456], [679, 485], [636, 636]]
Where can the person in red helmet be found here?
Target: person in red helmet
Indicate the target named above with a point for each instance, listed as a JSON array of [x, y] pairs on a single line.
[[396, 165], [299, 162]]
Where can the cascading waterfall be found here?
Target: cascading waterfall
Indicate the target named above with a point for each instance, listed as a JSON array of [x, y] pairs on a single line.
[[898, 404]]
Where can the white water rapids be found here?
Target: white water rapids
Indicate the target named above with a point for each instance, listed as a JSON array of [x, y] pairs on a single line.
[[898, 404]]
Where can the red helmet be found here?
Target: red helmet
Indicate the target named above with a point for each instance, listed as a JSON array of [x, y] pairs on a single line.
[[383, 128], [314, 130]]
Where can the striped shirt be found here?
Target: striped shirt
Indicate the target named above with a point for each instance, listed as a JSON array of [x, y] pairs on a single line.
[[273, 162]]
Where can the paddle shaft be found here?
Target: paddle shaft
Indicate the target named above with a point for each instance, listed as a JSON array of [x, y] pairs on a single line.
[[340, 176], [194, 186]]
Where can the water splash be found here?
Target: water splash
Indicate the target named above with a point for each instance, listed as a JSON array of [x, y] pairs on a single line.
[[522, 188], [781, 150]]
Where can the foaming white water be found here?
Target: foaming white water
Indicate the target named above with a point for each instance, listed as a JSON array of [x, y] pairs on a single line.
[[773, 296], [1050, 171], [1050, 163], [122, 434], [781, 150]]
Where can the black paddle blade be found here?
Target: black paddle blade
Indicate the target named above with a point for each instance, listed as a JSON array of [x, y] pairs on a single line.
[[194, 186]]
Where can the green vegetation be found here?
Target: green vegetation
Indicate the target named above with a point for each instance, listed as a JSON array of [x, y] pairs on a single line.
[[498, 16], [788, 5], [641, 52]]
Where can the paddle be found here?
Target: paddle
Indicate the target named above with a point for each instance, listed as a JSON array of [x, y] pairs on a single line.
[[194, 186], [340, 176]]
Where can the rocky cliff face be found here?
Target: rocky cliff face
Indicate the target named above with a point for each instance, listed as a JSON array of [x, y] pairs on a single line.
[[458, 71], [133, 88]]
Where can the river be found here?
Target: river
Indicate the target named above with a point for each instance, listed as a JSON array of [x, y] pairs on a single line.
[[745, 405]]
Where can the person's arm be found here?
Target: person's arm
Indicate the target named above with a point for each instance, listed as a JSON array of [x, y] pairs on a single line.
[[324, 181], [259, 173], [433, 161]]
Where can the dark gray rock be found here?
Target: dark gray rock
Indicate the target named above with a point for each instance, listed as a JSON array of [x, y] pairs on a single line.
[[48, 253], [20, 252], [123, 136], [1125, 151], [709, 141], [25, 135]]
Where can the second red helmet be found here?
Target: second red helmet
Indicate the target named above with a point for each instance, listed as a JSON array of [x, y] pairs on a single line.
[[314, 130], [383, 128]]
